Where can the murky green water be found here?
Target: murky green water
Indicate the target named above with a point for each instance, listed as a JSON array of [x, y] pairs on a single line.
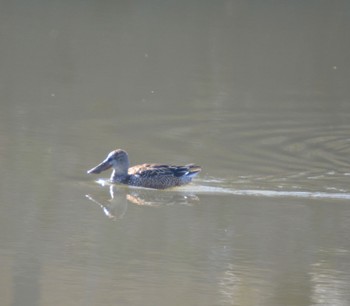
[[255, 93]]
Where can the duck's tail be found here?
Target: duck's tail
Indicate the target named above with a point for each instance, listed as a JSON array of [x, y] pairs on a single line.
[[192, 170], [189, 170]]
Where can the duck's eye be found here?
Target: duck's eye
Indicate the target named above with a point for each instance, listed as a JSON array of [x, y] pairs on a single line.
[[110, 158]]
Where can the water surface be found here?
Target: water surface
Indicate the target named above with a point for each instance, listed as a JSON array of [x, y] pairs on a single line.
[[255, 93]]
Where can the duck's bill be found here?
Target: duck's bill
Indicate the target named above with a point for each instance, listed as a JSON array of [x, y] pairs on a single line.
[[105, 165]]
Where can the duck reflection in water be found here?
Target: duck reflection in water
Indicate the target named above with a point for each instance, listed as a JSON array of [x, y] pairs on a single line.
[[115, 207]]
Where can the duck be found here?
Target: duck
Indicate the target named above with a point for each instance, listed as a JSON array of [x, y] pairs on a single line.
[[156, 176]]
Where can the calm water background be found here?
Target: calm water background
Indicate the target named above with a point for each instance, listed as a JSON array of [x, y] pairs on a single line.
[[256, 92]]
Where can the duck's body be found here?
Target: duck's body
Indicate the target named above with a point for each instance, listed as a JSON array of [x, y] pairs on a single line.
[[156, 176]]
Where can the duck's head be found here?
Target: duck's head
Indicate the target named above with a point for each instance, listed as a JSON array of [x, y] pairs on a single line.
[[117, 159]]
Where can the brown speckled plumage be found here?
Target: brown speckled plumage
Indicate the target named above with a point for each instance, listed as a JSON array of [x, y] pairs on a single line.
[[158, 176]]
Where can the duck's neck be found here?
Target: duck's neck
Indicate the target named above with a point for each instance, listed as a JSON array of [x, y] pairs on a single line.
[[120, 173]]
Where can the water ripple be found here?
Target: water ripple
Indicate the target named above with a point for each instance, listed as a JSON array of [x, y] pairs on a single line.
[[272, 193], [318, 184]]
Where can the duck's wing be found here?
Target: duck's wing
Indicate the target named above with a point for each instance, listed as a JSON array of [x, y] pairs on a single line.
[[154, 170]]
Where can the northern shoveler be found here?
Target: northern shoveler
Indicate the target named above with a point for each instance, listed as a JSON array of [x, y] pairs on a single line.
[[156, 176]]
